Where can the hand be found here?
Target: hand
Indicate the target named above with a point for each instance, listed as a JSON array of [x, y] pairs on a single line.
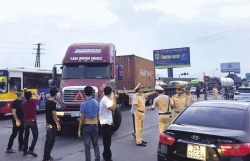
[[79, 134], [58, 127], [18, 123], [116, 95]]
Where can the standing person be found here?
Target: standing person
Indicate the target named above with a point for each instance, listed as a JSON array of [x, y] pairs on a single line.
[[107, 107], [215, 91], [139, 109], [164, 105], [189, 96], [205, 92], [29, 111], [197, 92], [131, 96], [17, 123], [88, 124], [179, 100], [52, 124]]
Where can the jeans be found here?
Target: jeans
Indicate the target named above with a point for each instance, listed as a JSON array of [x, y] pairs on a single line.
[[90, 133], [15, 130], [106, 138], [27, 126], [50, 140]]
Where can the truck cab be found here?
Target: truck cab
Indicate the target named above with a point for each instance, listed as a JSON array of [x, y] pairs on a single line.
[[85, 64]]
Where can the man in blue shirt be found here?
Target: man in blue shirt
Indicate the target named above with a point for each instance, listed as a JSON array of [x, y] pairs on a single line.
[[89, 110]]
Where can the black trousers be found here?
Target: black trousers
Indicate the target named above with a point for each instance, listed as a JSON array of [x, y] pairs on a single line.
[[34, 129], [106, 138], [50, 140], [15, 130], [133, 121]]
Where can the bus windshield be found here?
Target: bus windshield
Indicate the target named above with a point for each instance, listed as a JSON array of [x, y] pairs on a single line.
[[76, 71], [3, 81]]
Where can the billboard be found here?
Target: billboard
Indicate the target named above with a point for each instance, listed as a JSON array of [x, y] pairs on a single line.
[[248, 76], [172, 58], [230, 67]]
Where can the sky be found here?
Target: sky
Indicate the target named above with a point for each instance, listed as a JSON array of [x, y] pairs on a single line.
[[216, 31]]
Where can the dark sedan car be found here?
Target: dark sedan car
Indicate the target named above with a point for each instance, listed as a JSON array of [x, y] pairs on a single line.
[[208, 131]]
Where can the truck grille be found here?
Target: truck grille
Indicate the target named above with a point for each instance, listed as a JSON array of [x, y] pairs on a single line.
[[75, 96]]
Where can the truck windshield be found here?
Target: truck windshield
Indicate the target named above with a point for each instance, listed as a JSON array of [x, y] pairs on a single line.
[[76, 71], [3, 81]]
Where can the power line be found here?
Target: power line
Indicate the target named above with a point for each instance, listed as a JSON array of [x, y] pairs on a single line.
[[13, 48], [12, 53]]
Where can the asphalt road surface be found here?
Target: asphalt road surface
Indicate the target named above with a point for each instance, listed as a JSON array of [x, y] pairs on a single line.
[[69, 147]]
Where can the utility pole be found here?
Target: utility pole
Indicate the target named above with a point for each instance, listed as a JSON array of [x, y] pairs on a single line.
[[38, 53]]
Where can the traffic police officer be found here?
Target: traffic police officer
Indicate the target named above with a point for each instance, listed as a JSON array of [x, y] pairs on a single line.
[[164, 105], [215, 91], [188, 95], [139, 109], [179, 100]]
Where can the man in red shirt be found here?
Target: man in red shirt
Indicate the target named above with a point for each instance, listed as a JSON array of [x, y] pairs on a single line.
[[29, 110]]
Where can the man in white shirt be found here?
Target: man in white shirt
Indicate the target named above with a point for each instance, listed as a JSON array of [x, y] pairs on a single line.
[[107, 106]]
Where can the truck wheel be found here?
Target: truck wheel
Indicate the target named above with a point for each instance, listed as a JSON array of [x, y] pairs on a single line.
[[117, 120]]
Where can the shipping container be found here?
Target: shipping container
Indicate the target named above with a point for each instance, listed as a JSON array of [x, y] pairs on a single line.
[[136, 70]]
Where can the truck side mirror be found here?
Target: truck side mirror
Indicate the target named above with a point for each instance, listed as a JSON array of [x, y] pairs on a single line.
[[120, 72]]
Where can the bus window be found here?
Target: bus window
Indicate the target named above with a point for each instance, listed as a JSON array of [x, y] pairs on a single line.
[[36, 80], [3, 84], [15, 84]]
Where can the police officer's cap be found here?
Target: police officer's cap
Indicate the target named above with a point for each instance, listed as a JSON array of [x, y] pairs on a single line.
[[159, 88], [178, 86]]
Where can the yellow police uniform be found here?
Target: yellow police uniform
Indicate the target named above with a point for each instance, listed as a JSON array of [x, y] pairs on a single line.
[[189, 98], [139, 109], [215, 91], [163, 103], [179, 102]]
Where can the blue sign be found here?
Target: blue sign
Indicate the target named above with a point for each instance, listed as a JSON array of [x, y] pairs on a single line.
[[248, 76], [172, 58]]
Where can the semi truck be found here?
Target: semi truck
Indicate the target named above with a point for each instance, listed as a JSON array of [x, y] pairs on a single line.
[[96, 65]]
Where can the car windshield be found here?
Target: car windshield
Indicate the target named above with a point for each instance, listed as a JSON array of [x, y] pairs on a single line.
[[3, 81], [76, 71], [243, 90], [216, 117]]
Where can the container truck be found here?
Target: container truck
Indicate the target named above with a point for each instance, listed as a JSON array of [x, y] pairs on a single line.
[[96, 65]]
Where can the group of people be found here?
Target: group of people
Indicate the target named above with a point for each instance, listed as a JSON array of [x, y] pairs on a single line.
[[168, 108], [92, 111], [25, 120]]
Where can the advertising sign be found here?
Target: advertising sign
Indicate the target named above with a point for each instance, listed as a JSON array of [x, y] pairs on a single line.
[[172, 58], [230, 67], [248, 76]]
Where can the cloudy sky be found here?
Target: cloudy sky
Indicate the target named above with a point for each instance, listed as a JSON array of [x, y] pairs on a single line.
[[217, 31]]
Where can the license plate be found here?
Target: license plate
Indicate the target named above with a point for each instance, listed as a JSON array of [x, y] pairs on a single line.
[[196, 152]]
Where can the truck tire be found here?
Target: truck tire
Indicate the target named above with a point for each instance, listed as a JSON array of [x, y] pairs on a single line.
[[117, 120]]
